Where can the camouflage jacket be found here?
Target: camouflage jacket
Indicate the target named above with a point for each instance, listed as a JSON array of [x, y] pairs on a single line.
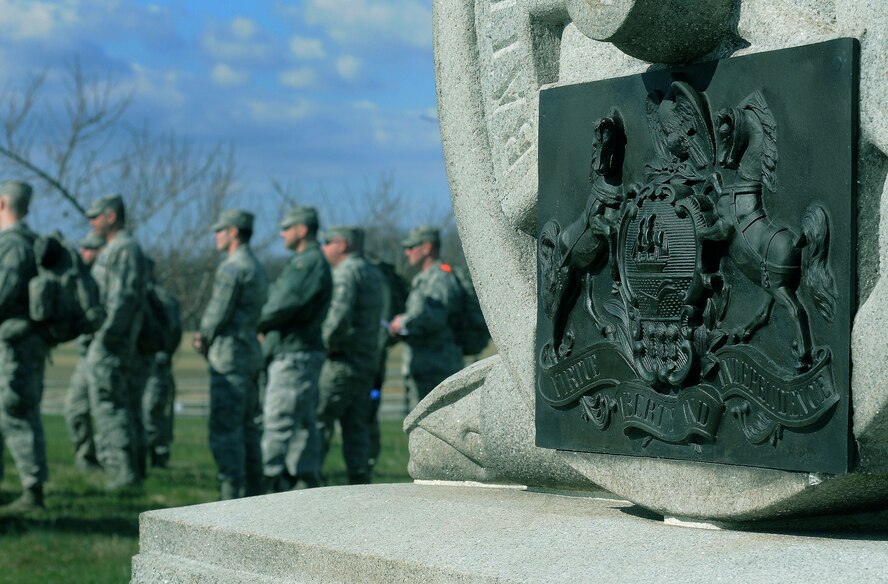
[[119, 273], [352, 325], [297, 304], [17, 267], [434, 302], [228, 325]]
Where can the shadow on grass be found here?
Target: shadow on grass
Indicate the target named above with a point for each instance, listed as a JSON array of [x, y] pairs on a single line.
[[18, 525]]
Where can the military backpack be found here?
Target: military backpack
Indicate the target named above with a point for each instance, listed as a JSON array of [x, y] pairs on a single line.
[[395, 297], [161, 325], [470, 328], [64, 299]]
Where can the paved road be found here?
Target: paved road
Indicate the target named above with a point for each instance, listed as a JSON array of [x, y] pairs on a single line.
[[192, 398], [192, 380]]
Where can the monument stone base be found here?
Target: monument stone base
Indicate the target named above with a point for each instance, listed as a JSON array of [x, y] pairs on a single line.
[[451, 532]]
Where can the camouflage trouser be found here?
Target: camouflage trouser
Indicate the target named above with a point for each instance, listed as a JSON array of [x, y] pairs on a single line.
[[345, 396], [22, 363], [234, 427], [77, 415], [142, 369], [426, 368], [157, 410], [375, 402], [290, 439], [420, 385], [110, 387]]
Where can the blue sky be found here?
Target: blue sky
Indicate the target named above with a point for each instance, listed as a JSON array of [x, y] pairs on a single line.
[[313, 92]]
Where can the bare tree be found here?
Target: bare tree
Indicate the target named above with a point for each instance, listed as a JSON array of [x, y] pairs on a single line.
[[66, 130], [65, 150], [382, 209], [174, 190]]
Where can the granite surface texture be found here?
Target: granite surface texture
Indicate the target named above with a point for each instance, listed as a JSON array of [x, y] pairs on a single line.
[[464, 533], [492, 58]]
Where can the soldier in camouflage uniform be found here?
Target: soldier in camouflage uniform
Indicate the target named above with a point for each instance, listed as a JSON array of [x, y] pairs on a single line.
[[227, 337], [433, 304], [351, 337], [291, 322], [22, 350], [77, 416], [118, 272]]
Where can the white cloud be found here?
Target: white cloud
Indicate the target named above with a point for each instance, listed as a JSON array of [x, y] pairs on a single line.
[[278, 110], [365, 22], [30, 20], [299, 77], [161, 87], [381, 137], [347, 66], [62, 23], [226, 75], [243, 28], [242, 40], [396, 128], [306, 48]]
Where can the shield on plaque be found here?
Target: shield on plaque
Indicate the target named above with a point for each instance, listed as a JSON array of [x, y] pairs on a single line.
[[660, 264]]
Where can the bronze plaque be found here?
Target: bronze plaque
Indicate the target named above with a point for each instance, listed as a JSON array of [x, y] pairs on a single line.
[[696, 274]]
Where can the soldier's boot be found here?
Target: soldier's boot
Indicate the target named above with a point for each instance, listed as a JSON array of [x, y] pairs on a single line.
[[142, 465], [359, 478], [254, 486], [85, 458], [281, 483], [306, 482], [122, 476], [160, 456], [31, 499], [266, 485], [228, 490], [118, 484], [87, 464]]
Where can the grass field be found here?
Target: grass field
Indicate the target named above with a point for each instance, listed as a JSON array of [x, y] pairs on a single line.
[[88, 536], [190, 371]]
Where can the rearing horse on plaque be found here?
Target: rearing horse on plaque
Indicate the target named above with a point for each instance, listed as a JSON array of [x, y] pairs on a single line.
[[571, 256], [769, 253]]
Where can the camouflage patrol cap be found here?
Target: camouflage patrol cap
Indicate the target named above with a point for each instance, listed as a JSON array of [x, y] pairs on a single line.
[[422, 234], [352, 234], [109, 202], [92, 242], [16, 188], [234, 218], [301, 215], [19, 194]]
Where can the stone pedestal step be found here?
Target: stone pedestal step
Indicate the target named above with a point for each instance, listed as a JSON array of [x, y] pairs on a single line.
[[467, 534]]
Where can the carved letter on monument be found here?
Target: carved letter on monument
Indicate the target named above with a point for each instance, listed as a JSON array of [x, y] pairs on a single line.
[[696, 263]]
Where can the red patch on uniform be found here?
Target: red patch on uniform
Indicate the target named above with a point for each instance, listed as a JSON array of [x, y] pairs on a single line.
[[446, 268]]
